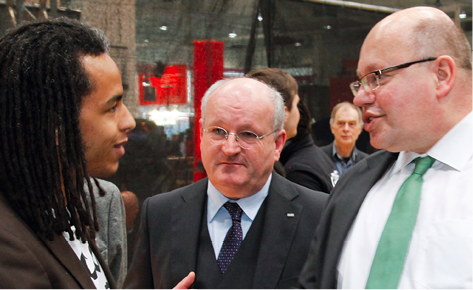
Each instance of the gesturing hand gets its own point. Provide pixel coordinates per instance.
(186, 282)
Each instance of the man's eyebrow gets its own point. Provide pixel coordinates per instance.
(115, 99)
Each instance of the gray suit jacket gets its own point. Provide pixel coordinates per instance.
(111, 238)
(29, 262)
(320, 269)
(168, 240)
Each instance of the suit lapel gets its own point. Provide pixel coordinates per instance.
(281, 219)
(342, 209)
(186, 221)
(60, 248)
(352, 191)
(108, 274)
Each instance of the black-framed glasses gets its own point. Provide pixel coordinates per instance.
(370, 81)
(245, 139)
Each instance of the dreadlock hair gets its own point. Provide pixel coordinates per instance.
(42, 161)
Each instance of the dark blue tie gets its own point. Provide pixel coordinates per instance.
(233, 238)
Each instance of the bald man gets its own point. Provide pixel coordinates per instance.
(243, 226)
(416, 98)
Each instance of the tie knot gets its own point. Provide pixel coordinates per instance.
(422, 164)
(234, 209)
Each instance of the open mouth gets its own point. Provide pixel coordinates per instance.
(370, 121)
(369, 118)
(119, 147)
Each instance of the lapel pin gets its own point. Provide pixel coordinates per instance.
(334, 177)
(290, 214)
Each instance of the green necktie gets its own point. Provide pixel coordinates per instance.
(388, 261)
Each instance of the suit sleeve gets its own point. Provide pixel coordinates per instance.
(307, 278)
(117, 238)
(139, 275)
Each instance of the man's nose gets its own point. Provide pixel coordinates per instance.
(231, 146)
(363, 98)
(127, 122)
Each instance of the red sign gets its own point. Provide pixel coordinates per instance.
(170, 89)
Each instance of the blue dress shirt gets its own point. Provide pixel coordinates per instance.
(343, 165)
(219, 220)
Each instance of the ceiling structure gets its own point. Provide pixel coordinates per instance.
(317, 41)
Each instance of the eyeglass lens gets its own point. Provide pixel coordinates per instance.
(370, 83)
(244, 138)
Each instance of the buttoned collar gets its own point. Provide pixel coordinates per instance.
(454, 149)
(250, 205)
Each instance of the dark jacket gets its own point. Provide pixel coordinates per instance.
(28, 262)
(168, 242)
(320, 269)
(307, 165)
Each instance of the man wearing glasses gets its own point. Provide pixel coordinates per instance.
(243, 227)
(402, 217)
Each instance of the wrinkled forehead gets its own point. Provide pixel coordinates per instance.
(241, 101)
(346, 113)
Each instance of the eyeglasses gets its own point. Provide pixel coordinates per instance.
(245, 139)
(370, 81)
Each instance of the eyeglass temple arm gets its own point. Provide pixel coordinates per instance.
(389, 69)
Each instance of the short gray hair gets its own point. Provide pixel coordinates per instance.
(274, 95)
(346, 105)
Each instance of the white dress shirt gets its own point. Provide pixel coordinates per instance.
(440, 253)
(219, 220)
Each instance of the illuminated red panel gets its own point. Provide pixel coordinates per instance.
(170, 89)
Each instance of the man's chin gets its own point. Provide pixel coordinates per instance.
(103, 172)
(229, 180)
(347, 143)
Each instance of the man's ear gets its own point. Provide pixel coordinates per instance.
(445, 75)
(280, 141)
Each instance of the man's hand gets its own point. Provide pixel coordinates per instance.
(186, 282)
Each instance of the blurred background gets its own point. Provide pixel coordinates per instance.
(170, 51)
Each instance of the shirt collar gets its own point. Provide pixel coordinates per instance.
(250, 205)
(454, 149)
(335, 153)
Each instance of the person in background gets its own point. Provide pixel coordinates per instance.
(304, 163)
(62, 123)
(346, 125)
(132, 208)
(402, 217)
(242, 227)
(287, 86)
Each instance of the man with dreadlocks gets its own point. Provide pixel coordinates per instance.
(62, 122)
